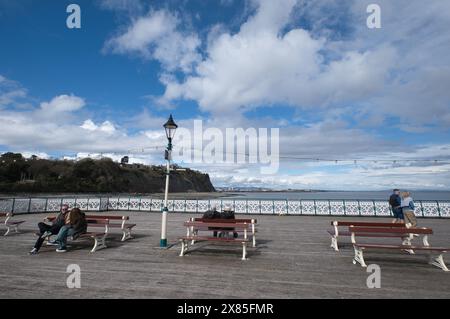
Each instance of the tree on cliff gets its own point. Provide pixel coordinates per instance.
(18, 174)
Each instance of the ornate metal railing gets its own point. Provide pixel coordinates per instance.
(425, 208)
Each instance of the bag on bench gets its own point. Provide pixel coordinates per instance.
(228, 214)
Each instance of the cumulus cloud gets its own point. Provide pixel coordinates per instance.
(261, 65)
(155, 36)
(106, 126)
(63, 103)
(11, 93)
(57, 126)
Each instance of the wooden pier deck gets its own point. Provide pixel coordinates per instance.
(293, 260)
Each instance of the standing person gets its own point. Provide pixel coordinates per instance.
(395, 202)
(46, 230)
(408, 210)
(75, 225)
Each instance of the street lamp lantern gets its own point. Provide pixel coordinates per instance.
(170, 128)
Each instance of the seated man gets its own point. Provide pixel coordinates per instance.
(75, 225)
(212, 214)
(227, 213)
(46, 230)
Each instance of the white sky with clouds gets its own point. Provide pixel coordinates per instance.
(269, 60)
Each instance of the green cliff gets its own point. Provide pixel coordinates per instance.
(34, 175)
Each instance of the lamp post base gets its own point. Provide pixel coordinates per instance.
(163, 243)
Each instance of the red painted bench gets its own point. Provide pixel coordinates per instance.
(335, 233)
(193, 228)
(251, 225)
(112, 223)
(359, 248)
(10, 224)
(99, 237)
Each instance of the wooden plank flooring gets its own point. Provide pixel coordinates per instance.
(293, 260)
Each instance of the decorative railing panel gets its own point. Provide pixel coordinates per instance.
(380, 208)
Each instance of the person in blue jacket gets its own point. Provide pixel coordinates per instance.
(395, 201)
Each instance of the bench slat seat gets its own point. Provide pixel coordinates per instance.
(225, 229)
(120, 226)
(216, 225)
(236, 220)
(359, 248)
(246, 226)
(217, 239)
(10, 224)
(17, 222)
(196, 225)
(403, 247)
(338, 233)
(368, 224)
(186, 239)
(349, 234)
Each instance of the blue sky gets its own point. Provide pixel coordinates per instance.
(333, 87)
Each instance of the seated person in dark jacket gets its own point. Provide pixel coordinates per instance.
(75, 225)
(46, 230)
(212, 214)
(227, 213)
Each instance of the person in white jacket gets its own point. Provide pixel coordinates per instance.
(408, 210)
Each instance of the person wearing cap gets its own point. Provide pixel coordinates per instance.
(395, 202)
(46, 230)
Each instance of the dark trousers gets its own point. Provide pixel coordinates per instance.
(43, 227)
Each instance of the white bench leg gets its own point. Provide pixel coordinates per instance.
(406, 241)
(99, 244)
(184, 248)
(244, 251)
(334, 243)
(194, 233)
(126, 234)
(439, 262)
(254, 240)
(10, 227)
(359, 257)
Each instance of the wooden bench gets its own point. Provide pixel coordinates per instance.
(193, 227)
(251, 225)
(10, 224)
(359, 248)
(99, 237)
(123, 225)
(335, 233)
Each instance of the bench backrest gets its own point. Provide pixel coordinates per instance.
(387, 230)
(213, 223)
(3, 214)
(97, 221)
(97, 217)
(108, 217)
(219, 220)
(367, 224)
